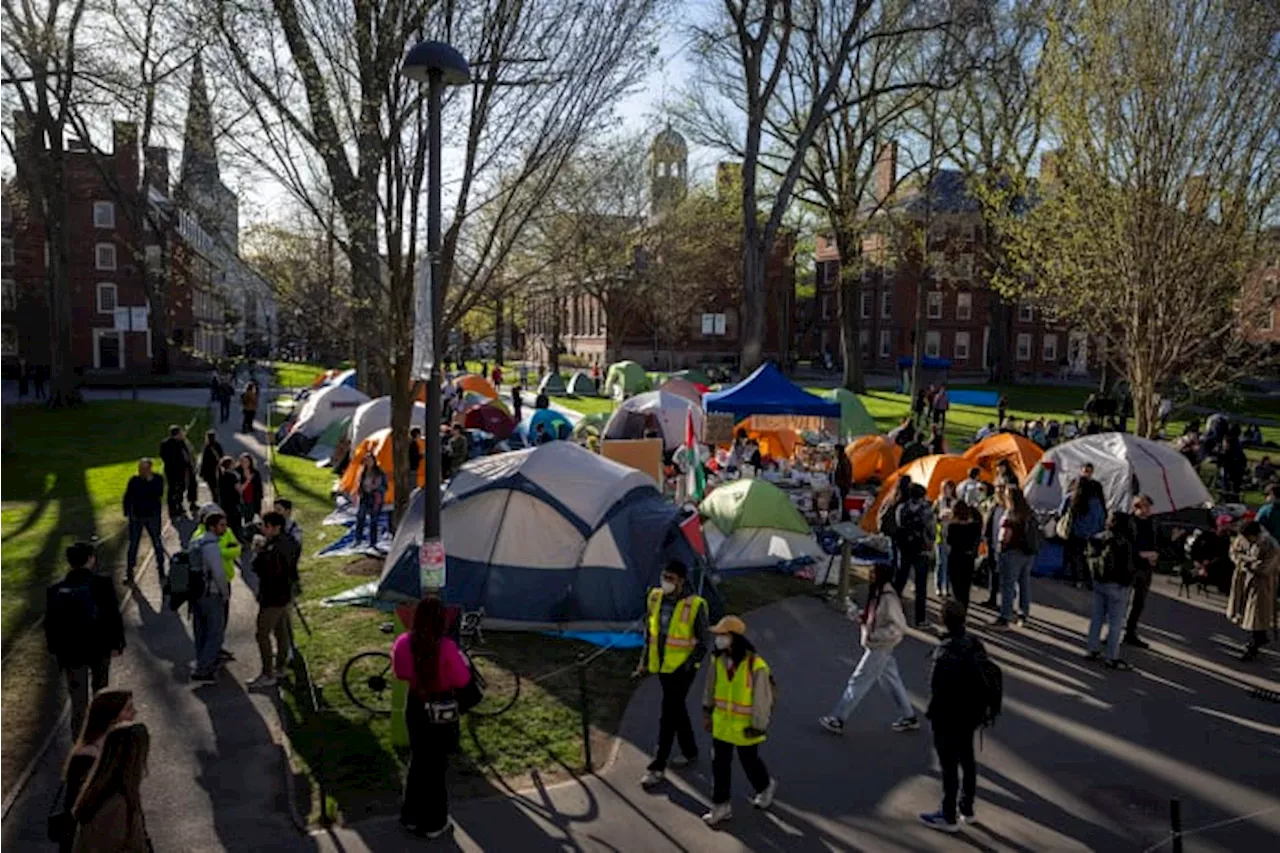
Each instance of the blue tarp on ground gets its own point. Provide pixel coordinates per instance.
(931, 362)
(769, 392)
(990, 399)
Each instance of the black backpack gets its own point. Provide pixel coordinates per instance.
(186, 580)
(991, 688)
(73, 622)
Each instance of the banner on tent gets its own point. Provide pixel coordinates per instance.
(799, 423)
(717, 428)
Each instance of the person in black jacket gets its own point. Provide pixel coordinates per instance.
(955, 712)
(277, 575)
(175, 453)
(1145, 558)
(210, 458)
(963, 535)
(1111, 557)
(416, 456)
(142, 499)
(83, 628)
(228, 495)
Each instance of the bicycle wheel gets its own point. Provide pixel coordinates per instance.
(366, 681)
(501, 686)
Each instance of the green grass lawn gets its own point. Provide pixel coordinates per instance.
(296, 374)
(585, 405)
(63, 480)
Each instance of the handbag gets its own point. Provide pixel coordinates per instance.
(60, 825)
(472, 694)
(1063, 527)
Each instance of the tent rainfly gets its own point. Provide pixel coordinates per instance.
(752, 524)
(624, 379)
(768, 392)
(669, 413)
(581, 385)
(553, 385)
(854, 420)
(376, 414)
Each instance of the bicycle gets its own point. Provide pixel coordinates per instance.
(366, 677)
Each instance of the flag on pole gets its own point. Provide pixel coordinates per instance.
(696, 486)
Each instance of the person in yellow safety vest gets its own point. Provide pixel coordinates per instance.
(674, 647)
(736, 706)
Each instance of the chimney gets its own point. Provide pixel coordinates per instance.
(1048, 167)
(157, 169)
(1197, 193)
(124, 141)
(886, 170)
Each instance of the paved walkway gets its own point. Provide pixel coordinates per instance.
(216, 774)
(1081, 759)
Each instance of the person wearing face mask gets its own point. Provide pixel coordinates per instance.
(736, 707)
(674, 647)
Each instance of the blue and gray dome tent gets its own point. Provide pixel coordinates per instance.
(550, 538)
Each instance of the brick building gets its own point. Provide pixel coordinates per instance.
(1261, 298)
(705, 333)
(960, 308)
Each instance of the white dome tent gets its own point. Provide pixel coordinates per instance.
(669, 411)
(376, 414)
(1125, 465)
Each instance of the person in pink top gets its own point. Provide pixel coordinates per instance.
(435, 668)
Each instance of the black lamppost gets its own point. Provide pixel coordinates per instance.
(439, 65)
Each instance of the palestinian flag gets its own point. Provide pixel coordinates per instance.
(696, 486)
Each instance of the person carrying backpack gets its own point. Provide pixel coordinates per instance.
(916, 535)
(1110, 557)
(83, 628)
(965, 693)
(1019, 545)
(208, 597)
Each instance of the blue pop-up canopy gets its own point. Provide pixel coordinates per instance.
(768, 392)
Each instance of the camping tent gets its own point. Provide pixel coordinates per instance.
(854, 419)
(491, 419)
(329, 440)
(774, 443)
(624, 379)
(581, 385)
(478, 384)
(1022, 453)
(927, 471)
(668, 413)
(376, 414)
(752, 524)
(591, 424)
(1125, 465)
(551, 420)
(873, 457)
(553, 537)
(694, 375)
(323, 407)
(553, 385)
(768, 392)
(690, 390)
(379, 444)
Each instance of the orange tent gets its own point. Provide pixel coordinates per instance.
(1022, 453)
(478, 384)
(928, 471)
(873, 457)
(379, 444)
(323, 377)
(776, 443)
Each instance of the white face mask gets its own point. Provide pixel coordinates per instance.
(723, 641)
(668, 587)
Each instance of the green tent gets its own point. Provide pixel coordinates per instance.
(626, 378)
(751, 503)
(552, 385)
(854, 420)
(694, 375)
(333, 433)
(592, 424)
(581, 385)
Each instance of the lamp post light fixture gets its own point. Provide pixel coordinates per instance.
(438, 65)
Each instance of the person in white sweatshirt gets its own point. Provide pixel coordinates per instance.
(883, 626)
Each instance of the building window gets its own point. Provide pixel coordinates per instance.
(1050, 348)
(864, 342)
(104, 214)
(963, 268)
(961, 350)
(964, 306)
(713, 324)
(6, 212)
(106, 298)
(9, 295)
(938, 266)
(153, 257)
(1269, 320)
(9, 340)
(826, 307)
(886, 342)
(886, 305)
(6, 252)
(932, 344)
(1026, 314)
(967, 233)
(865, 299)
(935, 304)
(105, 255)
(1024, 347)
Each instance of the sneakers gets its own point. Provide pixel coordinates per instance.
(264, 680)
(1093, 656)
(652, 779)
(968, 819)
(224, 655)
(1000, 623)
(720, 812)
(436, 833)
(938, 821)
(906, 724)
(679, 761)
(764, 799)
(1119, 665)
(835, 725)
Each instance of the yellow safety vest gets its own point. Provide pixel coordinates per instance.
(680, 639)
(732, 714)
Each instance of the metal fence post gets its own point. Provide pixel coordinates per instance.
(1175, 823)
(586, 711)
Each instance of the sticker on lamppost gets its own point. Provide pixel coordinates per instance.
(431, 564)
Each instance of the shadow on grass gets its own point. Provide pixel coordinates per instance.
(288, 483)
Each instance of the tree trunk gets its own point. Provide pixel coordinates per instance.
(553, 346)
(753, 303)
(62, 379)
(1001, 368)
(1146, 403)
(849, 313)
(499, 345)
(366, 283)
(917, 345)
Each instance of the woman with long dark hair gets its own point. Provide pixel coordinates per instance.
(108, 812)
(108, 708)
(435, 669)
(963, 535)
(250, 489)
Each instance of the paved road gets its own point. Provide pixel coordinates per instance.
(1081, 759)
(216, 774)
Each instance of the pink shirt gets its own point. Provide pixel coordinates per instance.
(454, 672)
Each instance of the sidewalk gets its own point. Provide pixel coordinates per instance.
(217, 764)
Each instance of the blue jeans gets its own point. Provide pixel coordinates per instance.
(1110, 600)
(368, 510)
(941, 581)
(151, 524)
(876, 666)
(209, 626)
(1015, 570)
